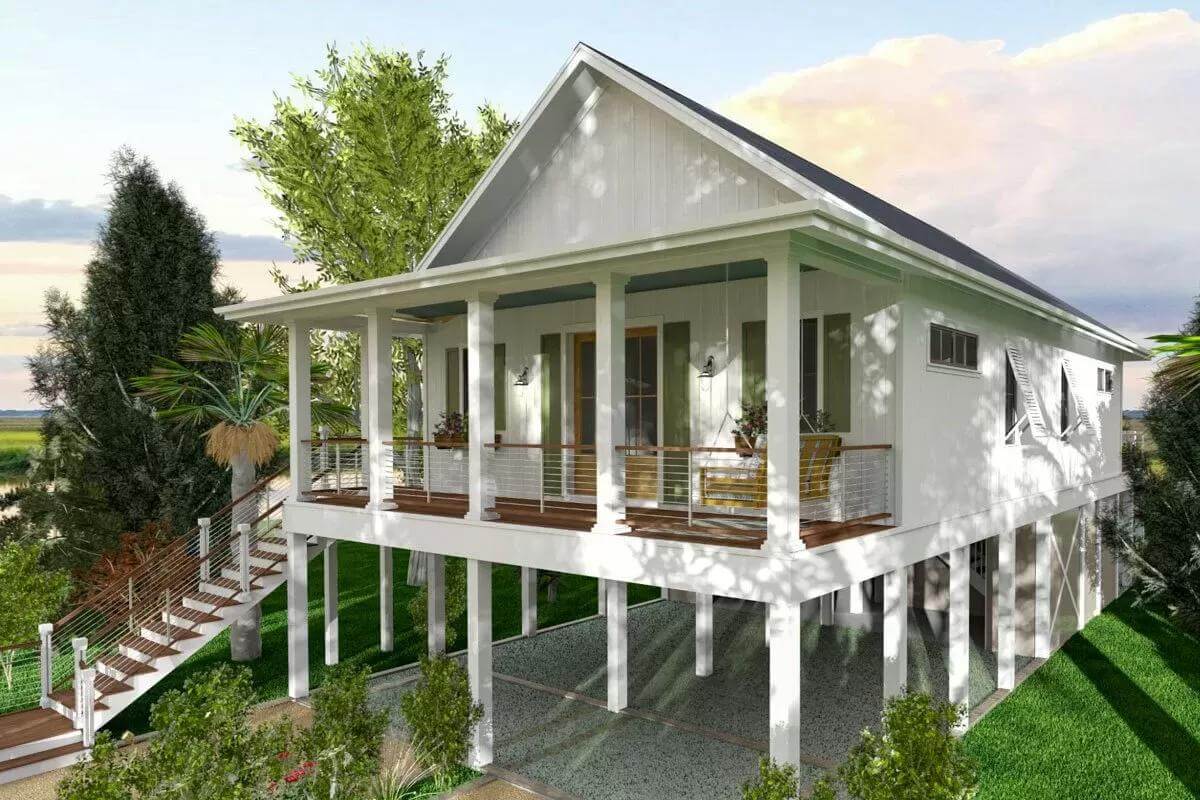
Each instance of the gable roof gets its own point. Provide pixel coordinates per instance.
(876, 208)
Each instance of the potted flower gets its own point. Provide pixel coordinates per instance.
(450, 430)
(748, 428)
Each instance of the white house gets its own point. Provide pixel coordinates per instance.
(633, 273)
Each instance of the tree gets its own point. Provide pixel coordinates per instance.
(234, 383)
(150, 279)
(1179, 372)
(366, 166)
(29, 596)
(1161, 544)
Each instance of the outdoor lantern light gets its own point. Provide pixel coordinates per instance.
(522, 377)
(709, 368)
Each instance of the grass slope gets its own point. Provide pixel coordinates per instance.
(358, 625)
(1114, 714)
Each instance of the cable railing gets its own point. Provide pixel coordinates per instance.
(338, 465)
(149, 599)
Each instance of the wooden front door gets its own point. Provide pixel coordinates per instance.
(641, 411)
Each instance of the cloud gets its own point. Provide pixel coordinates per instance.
(32, 330)
(39, 220)
(1074, 163)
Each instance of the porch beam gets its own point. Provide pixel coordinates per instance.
(1006, 609)
(364, 406)
(895, 632)
(387, 624)
(826, 602)
(299, 407)
(330, 566)
(379, 407)
(704, 634)
(958, 653)
(481, 408)
(1087, 513)
(784, 633)
(782, 389)
(529, 601)
(1043, 534)
(297, 615)
(617, 620)
(435, 609)
(479, 657)
(610, 402)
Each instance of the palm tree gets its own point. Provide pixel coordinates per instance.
(1179, 372)
(235, 384)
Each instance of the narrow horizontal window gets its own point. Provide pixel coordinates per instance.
(953, 348)
(1104, 380)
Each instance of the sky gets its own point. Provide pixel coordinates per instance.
(1059, 138)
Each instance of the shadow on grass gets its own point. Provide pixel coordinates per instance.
(1177, 649)
(1173, 745)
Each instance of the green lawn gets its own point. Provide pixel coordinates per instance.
(18, 436)
(358, 623)
(1114, 714)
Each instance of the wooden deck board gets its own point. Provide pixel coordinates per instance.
(23, 727)
(706, 527)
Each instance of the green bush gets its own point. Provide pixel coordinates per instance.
(915, 756)
(774, 782)
(456, 601)
(441, 715)
(346, 735)
(101, 778)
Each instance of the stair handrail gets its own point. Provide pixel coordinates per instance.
(171, 547)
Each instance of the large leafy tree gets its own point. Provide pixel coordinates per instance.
(1162, 546)
(231, 387)
(366, 163)
(29, 596)
(149, 280)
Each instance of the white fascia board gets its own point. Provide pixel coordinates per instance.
(504, 273)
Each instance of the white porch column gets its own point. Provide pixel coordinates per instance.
(297, 616)
(601, 597)
(330, 560)
(783, 391)
(618, 646)
(783, 633)
(858, 597)
(895, 632)
(479, 656)
(958, 654)
(1006, 609)
(364, 407)
(299, 407)
(379, 407)
(387, 626)
(1084, 591)
(610, 402)
(826, 608)
(435, 609)
(704, 635)
(1043, 568)
(481, 405)
(529, 601)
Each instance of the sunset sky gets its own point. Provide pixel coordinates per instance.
(1061, 141)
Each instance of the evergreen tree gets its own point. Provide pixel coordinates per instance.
(1163, 547)
(150, 279)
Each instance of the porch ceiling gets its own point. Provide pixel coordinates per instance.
(714, 273)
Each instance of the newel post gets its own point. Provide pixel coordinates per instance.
(45, 661)
(244, 560)
(85, 712)
(205, 524)
(78, 649)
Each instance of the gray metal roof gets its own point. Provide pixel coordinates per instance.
(880, 210)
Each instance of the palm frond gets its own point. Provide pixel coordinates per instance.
(1179, 371)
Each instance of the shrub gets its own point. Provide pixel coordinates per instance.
(441, 715)
(345, 737)
(103, 777)
(915, 756)
(456, 601)
(774, 782)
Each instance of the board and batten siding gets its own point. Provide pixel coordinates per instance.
(692, 323)
(626, 169)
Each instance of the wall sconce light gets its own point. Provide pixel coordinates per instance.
(522, 377)
(709, 368)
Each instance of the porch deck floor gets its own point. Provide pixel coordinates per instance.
(706, 527)
(684, 737)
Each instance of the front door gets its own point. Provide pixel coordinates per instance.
(641, 411)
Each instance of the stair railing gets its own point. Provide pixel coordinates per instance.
(146, 595)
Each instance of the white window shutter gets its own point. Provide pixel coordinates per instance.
(1033, 411)
(1083, 419)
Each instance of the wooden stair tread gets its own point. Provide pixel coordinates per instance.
(218, 600)
(125, 665)
(262, 572)
(31, 725)
(106, 685)
(175, 632)
(268, 555)
(231, 584)
(149, 647)
(193, 615)
(44, 755)
(67, 698)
